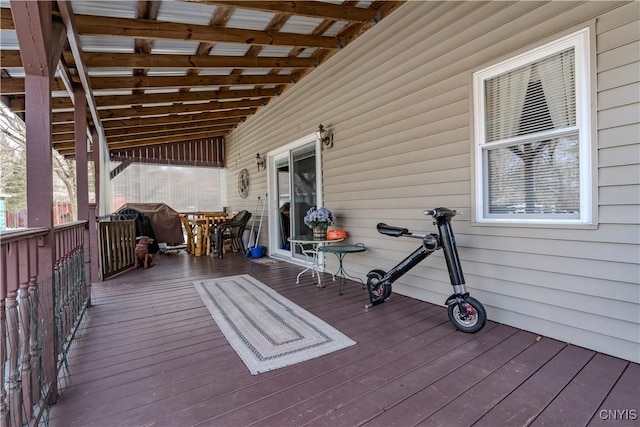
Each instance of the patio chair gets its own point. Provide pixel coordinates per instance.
(231, 231)
(189, 231)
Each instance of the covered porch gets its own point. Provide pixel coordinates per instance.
(217, 84)
(149, 353)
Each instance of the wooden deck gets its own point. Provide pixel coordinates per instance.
(150, 354)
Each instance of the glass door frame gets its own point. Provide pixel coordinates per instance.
(272, 182)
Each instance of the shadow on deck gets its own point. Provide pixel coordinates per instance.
(151, 354)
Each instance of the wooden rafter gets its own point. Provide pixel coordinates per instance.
(312, 9)
(181, 118)
(179, 109)
(204, 124)
(147, 9)
(199, 95)
(62, 103)
(185, 81)
(122, 27)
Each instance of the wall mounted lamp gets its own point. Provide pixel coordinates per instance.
(324, 136)
(260, 162)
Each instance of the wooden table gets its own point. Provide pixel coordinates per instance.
(201, 241)
(311, 253)
(202, 225)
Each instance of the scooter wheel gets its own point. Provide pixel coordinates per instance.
(378, 290)
(472, 319)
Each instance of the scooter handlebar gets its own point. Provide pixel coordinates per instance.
(440, 212)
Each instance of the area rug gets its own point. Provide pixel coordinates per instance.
(265, 261)
(266, 330)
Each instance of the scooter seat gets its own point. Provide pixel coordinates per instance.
(390, 230)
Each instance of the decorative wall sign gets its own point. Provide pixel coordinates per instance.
(243, 183)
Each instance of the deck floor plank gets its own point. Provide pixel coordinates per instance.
(425, 402)
(599, 376)
(527, 402)
(621, 405)
(300, 373)
(150, 353)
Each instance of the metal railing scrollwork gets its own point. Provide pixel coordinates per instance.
(28, 322)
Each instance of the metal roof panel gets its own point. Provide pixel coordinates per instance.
(107, 44)
(185, 12)
(9, 40)
(114, 9)
(279, 51)
(229, 49)
(301, 25)
(250, 19)
(175, 47)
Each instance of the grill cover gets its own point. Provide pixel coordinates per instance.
(164, 221)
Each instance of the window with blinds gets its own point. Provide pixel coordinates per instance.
(532, 136)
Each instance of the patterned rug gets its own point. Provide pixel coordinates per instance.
(266, 330)
(265, 261)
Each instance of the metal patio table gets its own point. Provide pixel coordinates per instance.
(341, 251)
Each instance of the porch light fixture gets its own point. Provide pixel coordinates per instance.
(260, 162)
(324, 136)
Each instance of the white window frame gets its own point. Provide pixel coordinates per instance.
(580, 41)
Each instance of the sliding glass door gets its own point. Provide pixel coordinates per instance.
(294, 182)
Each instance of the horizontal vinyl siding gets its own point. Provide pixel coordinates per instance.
(398, 103)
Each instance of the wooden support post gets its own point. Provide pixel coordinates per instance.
(82, 173)
(41, 41)
(97, 157)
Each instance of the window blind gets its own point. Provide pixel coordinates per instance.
(535, 97)
(537, 172)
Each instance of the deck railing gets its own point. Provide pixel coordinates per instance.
(34, 334)
(116, 246)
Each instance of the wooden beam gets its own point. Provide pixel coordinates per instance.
(174, 135)
(76, 48)
(220, 18)
(63, 103)
(120, 113)
(185, 81)
(6, 19)
(82, 171)
(15, 86)
(64, 131)
(159, 98)
(16, 104)
(147, 9)
(142, 28)
(63, 117)
(141, 130)
(35, 34)
(59, 129)
(124, 144)
(10, 58)
(63, 138)
(36, 54)
(179, 133)
(182, 118)
(314, 9)
(137, 60)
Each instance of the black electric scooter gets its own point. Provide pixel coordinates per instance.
(465, 312)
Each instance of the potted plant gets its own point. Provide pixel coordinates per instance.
(318, 219)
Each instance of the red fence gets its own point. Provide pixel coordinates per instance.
(62, 214)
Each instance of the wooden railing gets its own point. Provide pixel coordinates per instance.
(116, 246)
(34, 331)
(71, 285)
